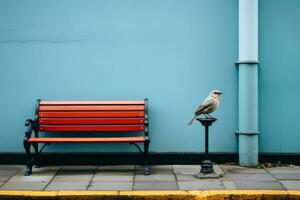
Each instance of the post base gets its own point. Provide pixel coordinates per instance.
(208, 176)
(207, 167)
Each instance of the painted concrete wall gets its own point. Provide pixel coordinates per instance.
(173, 52)
(279, 47)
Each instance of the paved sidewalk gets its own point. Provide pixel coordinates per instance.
(163, 177)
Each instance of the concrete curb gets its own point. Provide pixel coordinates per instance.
(152, 195)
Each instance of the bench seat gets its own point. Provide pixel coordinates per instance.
(88, 140)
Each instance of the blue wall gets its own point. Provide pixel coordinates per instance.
(279, 81)
(171, 51)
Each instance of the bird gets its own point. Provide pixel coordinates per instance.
(209, 105)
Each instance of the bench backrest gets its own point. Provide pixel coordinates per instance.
(92, 116)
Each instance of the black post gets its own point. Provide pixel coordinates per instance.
(206, 165)
(206, 143)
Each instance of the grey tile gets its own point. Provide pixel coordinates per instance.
(283, 171)
(161, 167)
(287, 176)
(41, 171)
(112, 177)
(258, 185)
(194, 169)
(7, 172)
(23, 186)
(155, 177)
(124, 168)
(233, 169)
(186, 169)
(229, 185)
(73, 177)
(109, 185)
(186, 166)
(76, 185)
(252, 177)
(4, 178)
(218, 169)
(155, 171)
(156, 167)
(201, 185)
(76, 172)
(31, 178)
(11, 167)
(291, 184)
(78, 168)
(186, 177)
(46, 169)
(153, 185)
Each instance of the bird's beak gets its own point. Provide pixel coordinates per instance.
(219, 93)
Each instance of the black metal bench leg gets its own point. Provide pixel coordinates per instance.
(37, 155)
(146, 164)
(28, 158)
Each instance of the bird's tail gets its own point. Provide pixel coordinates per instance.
(190, 123)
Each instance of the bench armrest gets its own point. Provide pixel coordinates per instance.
(30, 124)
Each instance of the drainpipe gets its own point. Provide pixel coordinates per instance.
(248, 83)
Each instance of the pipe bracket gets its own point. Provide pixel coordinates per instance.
(247, 132)
(246, 62)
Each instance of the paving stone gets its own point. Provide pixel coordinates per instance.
(233, 169)
(186, 166)
(287, 176)
(68, 185)
(78, 168)
(218, 169)
(4, 178)
(7, 172)
(229, 185)
(201, 185)
(155, 167)
(291, 184)
(186, 169)
(46, 168)
(1, 183)
(258, 185)
(153, 185)
(112, 177)
(76, 172)
(186, 177)
(252, 177)
(284, 171)
(31, 178)
(111, 185)
(155, 171)
(125, 168)
(11, 167)
(41, 171)
(155, 177)
(23, 185)
(73, 177)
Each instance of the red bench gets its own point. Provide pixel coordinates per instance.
(88, 117)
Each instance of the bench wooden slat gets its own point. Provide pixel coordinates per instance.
(91, 108)
(93, 114)
(133, 102)
(90, 128)
(87, 140)
(43, 121)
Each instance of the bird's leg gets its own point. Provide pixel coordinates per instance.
(209, 116)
